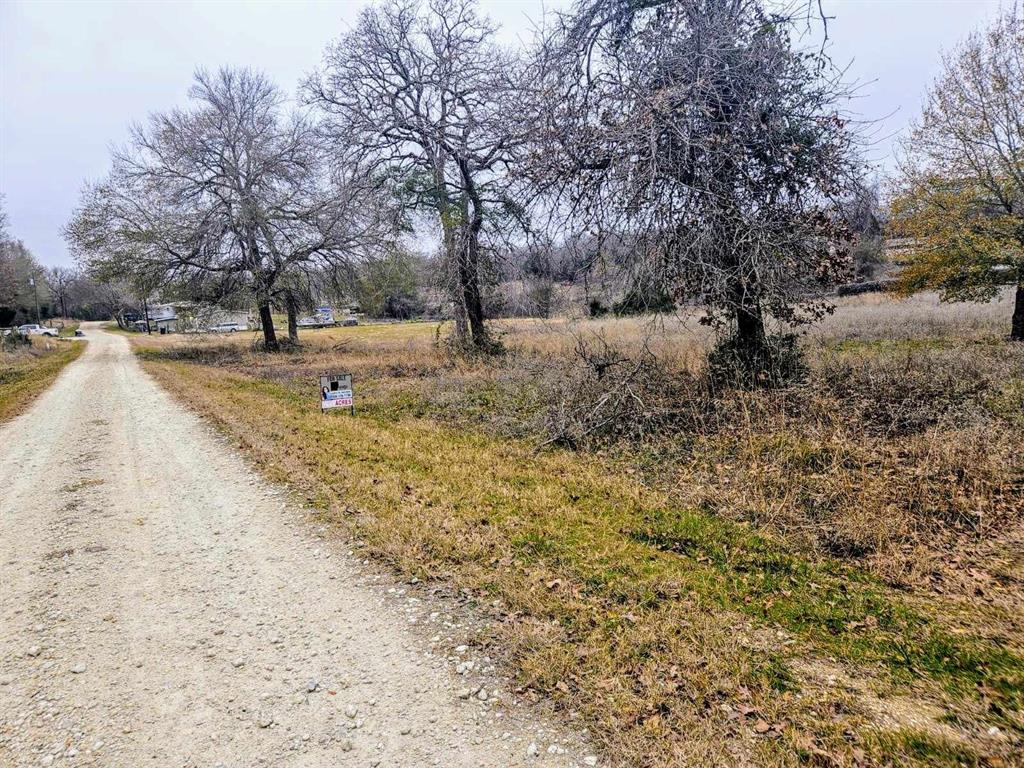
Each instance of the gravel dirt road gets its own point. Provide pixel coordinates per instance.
(161, 605)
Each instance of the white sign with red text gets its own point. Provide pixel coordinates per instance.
(336, 391)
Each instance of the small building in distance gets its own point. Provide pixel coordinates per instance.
(163, 318)
(191, 317)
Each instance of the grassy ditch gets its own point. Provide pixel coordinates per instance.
(28, 371)
(677, 634)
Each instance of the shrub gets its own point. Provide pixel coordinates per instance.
(605, 392)
(778, 362)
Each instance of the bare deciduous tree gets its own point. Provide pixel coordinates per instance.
(8, 278)
(419, 95)
(230, 195)
(60, 280)
(22, 284)
(91, 300)
(697, 132)
(3, 220)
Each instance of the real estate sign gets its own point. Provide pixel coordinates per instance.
(336, 391)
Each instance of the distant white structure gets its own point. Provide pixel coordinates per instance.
(190, 317)
(163, 318)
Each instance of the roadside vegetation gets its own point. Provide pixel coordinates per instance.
(28, 369)
(67, 327)
(827, 574)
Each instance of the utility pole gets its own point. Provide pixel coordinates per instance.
(35, 294)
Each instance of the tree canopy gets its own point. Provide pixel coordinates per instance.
(960, 200)
(702, 144)
(232, 195)
(703, 134)
(420, 96)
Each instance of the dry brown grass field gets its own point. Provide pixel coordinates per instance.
(25, 371)
(830, 574)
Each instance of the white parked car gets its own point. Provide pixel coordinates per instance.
(32, 329)
(227, 328)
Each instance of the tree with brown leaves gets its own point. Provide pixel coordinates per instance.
(961, 197)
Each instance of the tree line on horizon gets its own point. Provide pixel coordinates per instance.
(33, 293)
(702, 146)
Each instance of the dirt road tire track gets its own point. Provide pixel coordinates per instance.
(161, 605)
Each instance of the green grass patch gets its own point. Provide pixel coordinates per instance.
(839, 609)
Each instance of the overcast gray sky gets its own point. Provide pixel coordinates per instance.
(74, 75)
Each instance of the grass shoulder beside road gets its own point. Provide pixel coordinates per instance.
(680, 637)
(27, 372)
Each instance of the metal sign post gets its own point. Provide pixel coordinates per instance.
(336, 392)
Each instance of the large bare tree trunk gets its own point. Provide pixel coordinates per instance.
(451, 248)
(469, 262)
(750, 335)
(293, 319)
(1017, 324)
(746, 309)
(459, 315)
(269, 334)
(469, 283)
